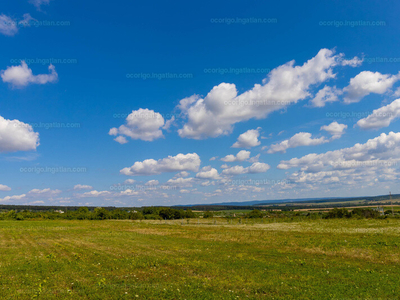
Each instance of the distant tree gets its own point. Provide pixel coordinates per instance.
(189, 214)
(208, 214)
(100, 213)
(136, 216)
(255, 214)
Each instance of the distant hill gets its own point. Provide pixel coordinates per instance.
(301, 200)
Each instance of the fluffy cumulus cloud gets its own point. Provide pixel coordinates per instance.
(208, 173)
(8, 26)
(354, 62)
(82, 187)
(141, 124)
(256, 167)
(215, 114)
(152, 182)
(94, 193)
(377, 160)
(248, 139)
(374, 151)
(4, 188)
(335, 129)
(240, 156)
(11, 198)
(180, 182)
(32, 195)
(43, 192)
(366, 83)
(180, 162)
(17, 136)
(381, 117)
(298, 140)
(21, 76)
(325, 95)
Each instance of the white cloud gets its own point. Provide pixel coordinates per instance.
(21, 76)
(39, 3)
(152, 182)
(298, 140)
(141, 124)
(180, 162)
(325, 95)
(8, 26)
(240, 156)
(208, 183)
(397, 92)
(15, 197)
(215, 114)
(381, 117)
(208, 173)
(120, 139)
(374, 161)
(44, 192)
(94, 194)
(256, 167)
(83, 187)
(4, 188)
(248, 139)
(169, 123)
(354, 62)
(17, 136)
(36, 202)
(182, 174)
(379, 149)
(213, 158)
(366, 83)
(129, 181)
(27, 20)
(181, 182)
(335, 129)
(33, 194)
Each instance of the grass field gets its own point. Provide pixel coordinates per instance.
(205, 259)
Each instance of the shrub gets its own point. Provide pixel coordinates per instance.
(255, 214)
(208, 214)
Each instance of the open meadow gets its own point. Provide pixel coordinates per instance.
(200, 259)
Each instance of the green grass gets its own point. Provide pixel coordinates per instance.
(320, 259)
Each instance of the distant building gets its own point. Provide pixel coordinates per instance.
(59, 211)
(380, 210)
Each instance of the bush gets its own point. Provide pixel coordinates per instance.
(255, 214)
(208, 214)
(189, 214)
(136, 216)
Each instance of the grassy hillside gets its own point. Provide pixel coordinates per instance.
(202, 259)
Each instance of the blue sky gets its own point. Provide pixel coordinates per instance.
(124, 104)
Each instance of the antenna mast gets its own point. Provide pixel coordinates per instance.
(391, 202)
